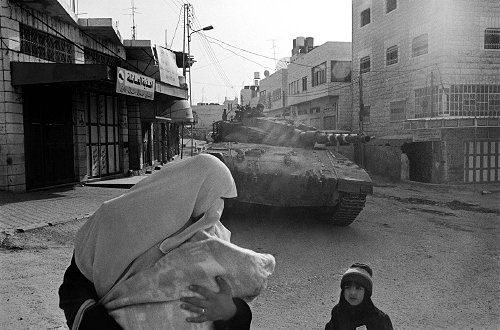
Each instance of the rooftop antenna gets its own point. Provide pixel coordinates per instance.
(134, 28)
(274, 52)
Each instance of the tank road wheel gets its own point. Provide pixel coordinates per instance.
(346, 211)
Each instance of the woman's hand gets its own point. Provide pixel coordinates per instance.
(214, 306)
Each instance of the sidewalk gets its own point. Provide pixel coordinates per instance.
(24, 211)
(20, 212)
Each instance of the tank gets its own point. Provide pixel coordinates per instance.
(276, 162)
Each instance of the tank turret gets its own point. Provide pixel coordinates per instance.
(280, 163)
(278, 132)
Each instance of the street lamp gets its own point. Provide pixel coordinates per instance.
(206, 28)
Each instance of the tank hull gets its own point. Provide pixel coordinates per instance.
(284, 176)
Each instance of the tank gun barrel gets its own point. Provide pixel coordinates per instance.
(309, 138)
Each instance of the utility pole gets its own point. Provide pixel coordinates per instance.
(133, 20)
(361, 105)
(432, 94)
(360, 119)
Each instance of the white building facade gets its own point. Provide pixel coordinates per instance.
(430, 85)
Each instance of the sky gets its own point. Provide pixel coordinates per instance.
(248, 36)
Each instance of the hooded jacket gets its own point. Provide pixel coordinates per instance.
(347, 317)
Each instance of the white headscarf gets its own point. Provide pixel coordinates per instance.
(149, 214)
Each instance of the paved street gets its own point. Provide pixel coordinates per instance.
(434, 250)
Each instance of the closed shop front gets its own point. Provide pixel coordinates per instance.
(481, 162)
(103, 136)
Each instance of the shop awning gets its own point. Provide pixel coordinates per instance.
(28, 73)
(180, 112)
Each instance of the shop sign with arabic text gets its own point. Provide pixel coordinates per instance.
(134, 84)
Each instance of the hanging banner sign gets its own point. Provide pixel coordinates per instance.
(134, 84)
(168, 66)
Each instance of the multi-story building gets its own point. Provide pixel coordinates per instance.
(315, 88)
(249, 95)
(430, 87)
(319, 84)
(76, 102)
(273, 93)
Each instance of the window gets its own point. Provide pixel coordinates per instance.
(364, 64)
(429, 102)
(293, 87)
(492, 39)
(391, 55)
(319, 74)
(397, 110)
(95, 57)
(304, 83)
(44, 45)
(365, 17)
(315, 110)
(474, 100)
(390, 5)
(420, 45)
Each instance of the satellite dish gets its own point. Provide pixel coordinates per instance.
(283, 63)
(266, 73)
(341, 71)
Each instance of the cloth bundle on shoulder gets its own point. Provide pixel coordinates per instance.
(141, 250)
(150, 299)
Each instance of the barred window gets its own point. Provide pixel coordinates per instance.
(319, 74)
(397, 110)
(315, 110)
(390, 5)
(420, 45)
(45, 46)
(492, 39)
(94, 57)
(293, 87)
(365, 17)
(391, 55)
(364, 64)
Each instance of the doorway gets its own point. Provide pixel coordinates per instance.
(48, 133)
(420, 160)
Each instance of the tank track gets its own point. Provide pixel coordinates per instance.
(348, 208)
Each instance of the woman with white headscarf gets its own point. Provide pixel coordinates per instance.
(158, 257)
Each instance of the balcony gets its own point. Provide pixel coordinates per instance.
(62, 9)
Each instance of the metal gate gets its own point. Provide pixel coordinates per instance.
(48, 136)
(481, 161)
(102, 138)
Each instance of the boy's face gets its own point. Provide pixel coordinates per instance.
(354, 293)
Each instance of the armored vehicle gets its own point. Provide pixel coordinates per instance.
(278, 163)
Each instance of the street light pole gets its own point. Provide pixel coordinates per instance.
(206, 28)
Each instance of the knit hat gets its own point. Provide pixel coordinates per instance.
(359, 273)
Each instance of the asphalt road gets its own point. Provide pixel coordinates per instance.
(435, 252)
